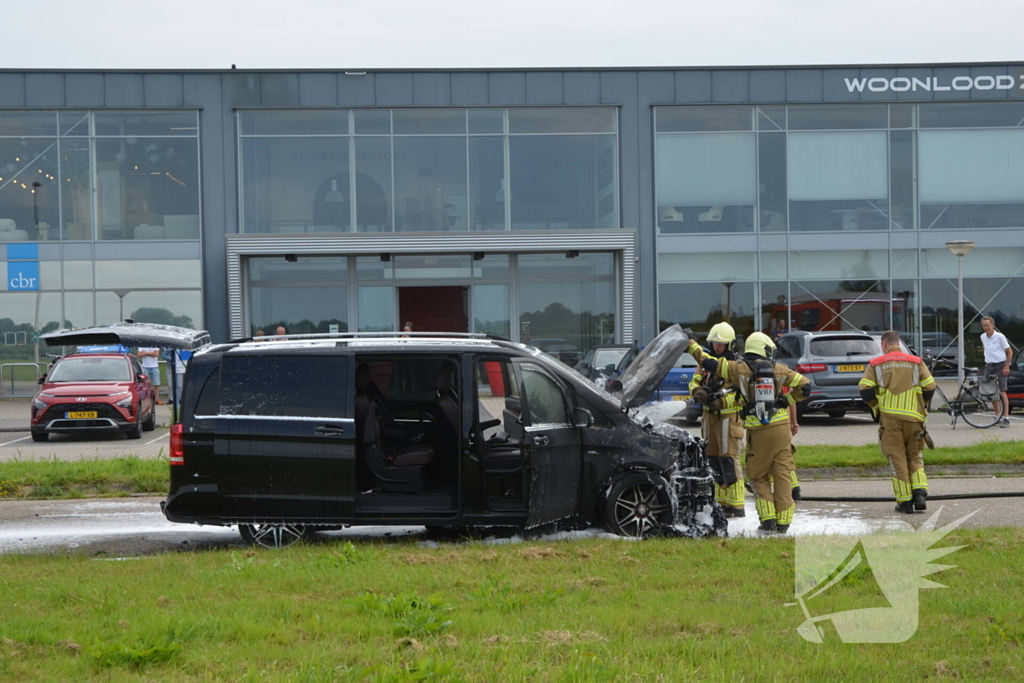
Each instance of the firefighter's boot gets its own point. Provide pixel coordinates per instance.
(906, 507)
(769, 526)
(920, 499)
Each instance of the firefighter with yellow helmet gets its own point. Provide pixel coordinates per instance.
(721, 423)
(759, 382)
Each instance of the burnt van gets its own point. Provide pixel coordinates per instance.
(286, 436)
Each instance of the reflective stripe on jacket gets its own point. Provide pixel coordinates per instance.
(731, 402)
(739, 373)
(899, 380)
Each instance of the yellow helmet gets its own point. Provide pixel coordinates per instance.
(759, 343)
(722, 333)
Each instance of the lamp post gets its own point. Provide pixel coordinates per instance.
(121, 294)
(960, 249)
(728, 300)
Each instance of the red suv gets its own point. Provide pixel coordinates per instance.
(87, 392)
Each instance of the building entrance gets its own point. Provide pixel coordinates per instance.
(434, 309)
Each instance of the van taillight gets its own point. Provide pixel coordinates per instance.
(808, 368)
(177, 445)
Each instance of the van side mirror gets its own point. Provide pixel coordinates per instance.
(581, 417)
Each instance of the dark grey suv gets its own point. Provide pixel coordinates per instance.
(834, 362)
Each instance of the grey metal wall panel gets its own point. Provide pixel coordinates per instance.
(279, 90)
(693, 87)
(773, 242)
(730, 86)
(506, 88)
(49, 251)
(240, 90)
(992, 94)
(12, 90)
(581, 87)
(705, 243)
(394, 90)
(201, 90)
(834, 85)
(318, 90)
(77, 251)
(164, 90)
(911, 95)
(544, 87)
(44, 90)
(1018, 80)
(767, 85)
(868, 95)
(469, 89)
(803, 85)
(357, 91)
(432, 90)
(945, 76)
(936, 239)
(853, 239)
(84, 90)
(904, 239)
(141, 250)
(124, 90)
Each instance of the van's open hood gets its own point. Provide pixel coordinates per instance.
(130, 334)
(649, 368)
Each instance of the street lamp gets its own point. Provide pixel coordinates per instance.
(960, 249)
(121, 294)
(728, 300)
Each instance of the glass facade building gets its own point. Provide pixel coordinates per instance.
(565, 208)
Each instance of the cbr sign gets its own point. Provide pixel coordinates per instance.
(933, 84)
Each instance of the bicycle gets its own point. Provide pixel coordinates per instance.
(976, 410)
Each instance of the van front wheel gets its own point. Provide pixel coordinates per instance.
(638, 504)
(275, 535)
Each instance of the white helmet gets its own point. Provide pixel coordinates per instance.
(722, 333)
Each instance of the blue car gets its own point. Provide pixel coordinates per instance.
(675, 386)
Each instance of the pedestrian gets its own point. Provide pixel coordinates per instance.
(281, 332)
(760, 383)
(407, 327)
(780, 329)
(997, 365)
(150, 359)
(898, 386)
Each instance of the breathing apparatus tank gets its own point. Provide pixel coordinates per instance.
(764, 390)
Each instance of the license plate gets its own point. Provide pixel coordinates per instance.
(849, 368)
(90, 415)
(681, 397)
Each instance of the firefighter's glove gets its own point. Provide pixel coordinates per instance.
(781, 403)
(700, 395)
(709, 365)
(928, 441)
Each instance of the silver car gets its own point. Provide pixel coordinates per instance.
(834, 362)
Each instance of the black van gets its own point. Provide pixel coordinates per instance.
(284, 437)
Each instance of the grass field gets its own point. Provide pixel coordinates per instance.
(574, 612)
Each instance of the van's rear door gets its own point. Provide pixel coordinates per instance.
(284, 438)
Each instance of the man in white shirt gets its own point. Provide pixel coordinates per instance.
(150, 359)
(997, 363)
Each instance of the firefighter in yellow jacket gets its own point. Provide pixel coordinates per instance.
(899, 386)
(759, 381)
(721, 423)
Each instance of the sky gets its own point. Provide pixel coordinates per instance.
(345, 34)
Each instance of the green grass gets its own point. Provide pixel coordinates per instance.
(588, 611)
(52, 478)
(995, 452)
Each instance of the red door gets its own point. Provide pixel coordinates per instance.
(434, 309)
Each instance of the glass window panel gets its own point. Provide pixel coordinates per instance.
(567, 317)
(172, 274)
(372, 268)
(429, 121)
(299, 308)
(687, 119)
(972, 114)
(148, 188)
(861, 264)
(372, 121)
(544, 398)
(902, 115)
(904, 263)
(491, 265)
(78, 275)
(29, 205)
(774, 265)
(706, 183)
(587, 264)
(416, 266)
(304, 268)
(294, 185)
(771, 118)
(373, 184)
(183, 308)
(293, 122)
(76, 189)
(147, 123)
(838, 116)
(902, 158)
(563, 182)
(979, 262)
(562, 120)
(695, 267)
(303, 386)
(701, 305)
(50, 275)
(771, 162)
(906, 300)
(23, 316)
(28, 123)
(78, 309)
(430, 183)
(774, 307)
(998, 297)
(840, 305)
(486, 121)
(487, 187)
(376, 309)
(490, 310)
(74, 123)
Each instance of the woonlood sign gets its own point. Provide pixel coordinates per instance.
(934, 84)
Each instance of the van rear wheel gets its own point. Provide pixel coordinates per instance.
(275, 535)
(638, 504)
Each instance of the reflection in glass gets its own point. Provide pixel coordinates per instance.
(562, 120)
(491, 265)
(840, 305)
(180, 123)
(771, 118)
(972, 114)
(837, 116)
(996, 297)
(585, 264)
(486, 121)
(28, 123)
(372, 268)
(293, 122)
(75, 123)
(487, 187)
(372, 121)
(490, 310)
(771, 162)
(774, 307)
(902, 115)
(906, 300)
(902, 157)
(696, 119)
(376, 309)
(171, 273)
(567, 318)
(430, 183)
(429, 121)
(699, 305)
(76, 188)
(29, 205)
(183, 308)
(373, 184)
(418, 266)
(305, 268)
(860, 264)
(563, 182)
(695, 267)
(23, 316)
(301, 309)
(78, 275)
(78, 309)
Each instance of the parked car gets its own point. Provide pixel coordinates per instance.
(284, 438)
(878, 340)
(1015, 381)
(674, 387)
(564, 351)
(602, 360)
(102, 390)
(834, 362)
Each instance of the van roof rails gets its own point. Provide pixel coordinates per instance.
(372, 335)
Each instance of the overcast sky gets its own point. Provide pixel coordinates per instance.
(195, 34)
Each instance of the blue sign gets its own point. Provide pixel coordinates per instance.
(23, 252)
(111, 348)
(22, 276)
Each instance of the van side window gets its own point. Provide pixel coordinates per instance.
(306, 385)
(544, 398)
(208, 402)
(497, 397)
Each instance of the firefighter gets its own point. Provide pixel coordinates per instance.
(898, 386)
(721, 423)
(759, 381)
